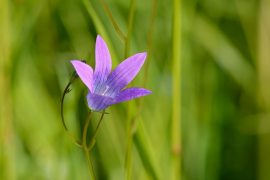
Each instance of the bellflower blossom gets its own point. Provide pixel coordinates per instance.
(105, 88)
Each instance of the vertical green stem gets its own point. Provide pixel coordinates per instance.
(149, 50)
(130, 24)
(263, 65)
(176, 110)
(129, 135)
(85, 146)
(133, 126)
(149, 46)
(7, 141)
(100, 28)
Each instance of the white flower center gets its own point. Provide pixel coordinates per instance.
(107, 87)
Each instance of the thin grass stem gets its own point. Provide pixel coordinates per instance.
(119, 32)
(8, 136)
(176, 106)
(149, 50)
(130, 24)
(129, 137)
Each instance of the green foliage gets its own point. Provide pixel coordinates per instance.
(224, 90)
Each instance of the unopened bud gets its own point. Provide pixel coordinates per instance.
(74, 75)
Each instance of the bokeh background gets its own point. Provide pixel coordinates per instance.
(225, 90)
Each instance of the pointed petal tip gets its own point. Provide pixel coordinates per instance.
(76, 62)
(99, 38)
(148, 92)
(144, 54)
(103, 65)
(85, 72)
(131, 93)
(73, 62)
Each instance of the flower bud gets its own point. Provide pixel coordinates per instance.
(74, 75)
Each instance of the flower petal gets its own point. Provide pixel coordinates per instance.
(131, 93)
(85, 72)
(123, 74)
(99, 102)
(103, 64)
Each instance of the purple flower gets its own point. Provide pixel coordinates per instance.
(105, 88)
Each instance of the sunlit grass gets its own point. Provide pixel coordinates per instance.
(223, 83)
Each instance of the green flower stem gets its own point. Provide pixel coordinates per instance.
(121, 35)
(129, 137)
(85, 147)
(94, 137)
(62, 116)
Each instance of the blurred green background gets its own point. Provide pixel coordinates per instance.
(225, 90)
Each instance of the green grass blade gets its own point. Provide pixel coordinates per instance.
(176, 109)
(101, 30)
(224, 52)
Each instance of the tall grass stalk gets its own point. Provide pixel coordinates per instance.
(119, 32)
(149, 50)
(133, 124)
(129, 143)
(7, 156)
(264, 89)
(100, 29)
(129, 30)
(176, 111)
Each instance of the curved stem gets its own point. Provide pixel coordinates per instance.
(85, 147)
(62, 116)
(94, 137)
(121, 35)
